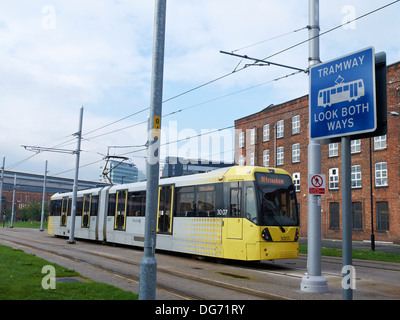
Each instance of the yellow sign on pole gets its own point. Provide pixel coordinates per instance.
(157, 126)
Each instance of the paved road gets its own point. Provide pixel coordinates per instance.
(181, 277)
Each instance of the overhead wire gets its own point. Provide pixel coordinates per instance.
(236, 70)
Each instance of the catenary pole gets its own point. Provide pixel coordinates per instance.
(1, 187)
(313, 281)
(347, 291)
(75, 188)
(148, 266)
(44, 197)
(13, 203)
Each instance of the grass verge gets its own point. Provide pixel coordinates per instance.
(21, 279)
(358, 254)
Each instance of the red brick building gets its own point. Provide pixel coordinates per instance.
(278, 137)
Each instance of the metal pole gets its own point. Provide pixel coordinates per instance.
(75, 188)
(313, 281)
(346, 213)
(13, 203)
(372, 196)
(44, 197)
(148, 266)
(1, 187)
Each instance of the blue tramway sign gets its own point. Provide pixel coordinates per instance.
(342, 99)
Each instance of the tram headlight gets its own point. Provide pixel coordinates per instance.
(266, 235)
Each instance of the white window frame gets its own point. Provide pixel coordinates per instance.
(356, 176)
(296, 153)
(252, 136)
(296, 180)
(266, 132)
(355, 146)
(280, 129)
(333, 150)
(252, 159)
(380, 142)
(280, 156)
(266, 158)
(241, 160)
(241, 139)
(381, 174)
(296, 125)
(334, 179)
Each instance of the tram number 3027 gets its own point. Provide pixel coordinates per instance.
(222, 212)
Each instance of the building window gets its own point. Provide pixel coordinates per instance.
(355, 146)
(241, 140)
(382, 216)
(333, 149)
(253, 136)
(252, 159)
(380, 142)
(296, 125)
(241, 160)
(279, 158)
(381, 174)
(266, 158)
(356, 176)
(334, 179)
(296, 179)
(356, 211)
(266, 132)
(334, 223)
(280, 129)
(296, 153)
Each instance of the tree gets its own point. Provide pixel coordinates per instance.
(33, 212)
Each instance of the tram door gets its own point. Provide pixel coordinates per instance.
(235, 221)
(165, 205)
(86, 210)
(120, 212)
(65, 206)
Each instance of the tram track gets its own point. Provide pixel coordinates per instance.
(251, 293)
(189, 279)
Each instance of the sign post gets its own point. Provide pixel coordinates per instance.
(343, 104)
(313, 281)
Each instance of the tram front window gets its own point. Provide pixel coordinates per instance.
(277, 199)
(279, 208)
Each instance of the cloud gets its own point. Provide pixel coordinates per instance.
(57, 56)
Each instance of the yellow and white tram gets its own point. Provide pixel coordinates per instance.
(241, 213)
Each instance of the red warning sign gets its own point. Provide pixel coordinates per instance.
(316, 184)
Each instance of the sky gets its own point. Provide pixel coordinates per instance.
(57, 56)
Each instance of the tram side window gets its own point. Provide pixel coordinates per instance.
(55, 207)
(79, 206)
(235, 203)
(94, 206)
(111, 205)
(206, 201)
(69, 206)
(121, 201)
(136, 204)
(185, 202)
(251, 205)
